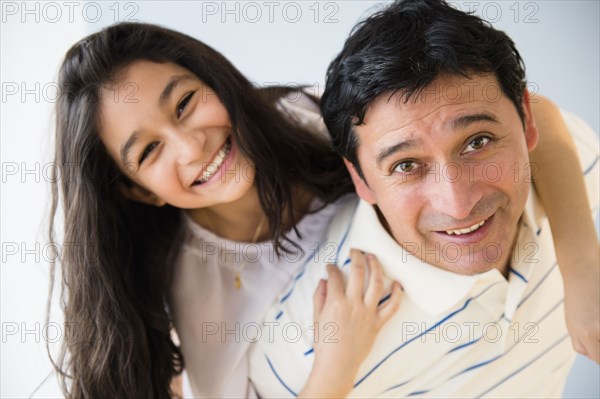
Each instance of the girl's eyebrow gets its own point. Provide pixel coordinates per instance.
(173, 82)
(128, 144)
(164, 96)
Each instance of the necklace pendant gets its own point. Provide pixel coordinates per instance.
(237, 281)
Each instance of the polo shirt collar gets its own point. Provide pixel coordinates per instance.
(433, 289)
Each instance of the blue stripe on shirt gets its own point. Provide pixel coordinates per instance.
(464, 345)
(385, 298)
(423, 333)
(344, 237)
(524, 366)
(544, 277)
(297, 277)
(518, 274)
(589, 168)
(279, 378)
(287, 295)
(415, 393)
(473, 341)
(520, 339)
(396, 386)
(477, 365)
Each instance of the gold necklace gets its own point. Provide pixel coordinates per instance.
(237, 279)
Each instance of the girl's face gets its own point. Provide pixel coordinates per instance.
(170, 133)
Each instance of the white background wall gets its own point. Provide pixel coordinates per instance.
(271, 42)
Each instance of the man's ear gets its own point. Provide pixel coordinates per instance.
(363, 191)
(137, 193)
(532, 134)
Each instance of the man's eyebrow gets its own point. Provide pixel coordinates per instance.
(173, 82)
(465, 121)
(461, 122)
(128, 144)
(389, 151)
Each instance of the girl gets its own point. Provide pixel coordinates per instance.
(180, 162)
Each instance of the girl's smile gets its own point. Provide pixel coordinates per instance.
(181, 149)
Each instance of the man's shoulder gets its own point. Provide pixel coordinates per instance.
(333, 243)
(342, 220)
(298, 293)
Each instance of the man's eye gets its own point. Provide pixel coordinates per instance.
(477, 143)
(406, 167)
(183, 104)
(147, 151)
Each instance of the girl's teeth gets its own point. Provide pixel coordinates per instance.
(215, 164)
(467, 230)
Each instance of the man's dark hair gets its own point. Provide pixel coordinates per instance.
(404, 48)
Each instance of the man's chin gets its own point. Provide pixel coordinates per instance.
(470, 259)
(470, 267)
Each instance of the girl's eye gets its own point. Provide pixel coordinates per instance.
(477, 143)
(406, 167)
(147, 151)
(183, 104)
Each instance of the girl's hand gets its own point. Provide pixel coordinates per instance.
(582, 307)
(346, 324)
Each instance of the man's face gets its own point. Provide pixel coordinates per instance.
(449, 171)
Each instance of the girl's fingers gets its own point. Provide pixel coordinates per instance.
(356, 282)
(389, 307)
(375, 288)
(319, 299)
(335, 282)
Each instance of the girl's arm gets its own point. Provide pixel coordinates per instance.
(559, 182)
(358, 320)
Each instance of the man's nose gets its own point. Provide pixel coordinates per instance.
(455, 195)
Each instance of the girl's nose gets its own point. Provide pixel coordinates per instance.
(188, 145)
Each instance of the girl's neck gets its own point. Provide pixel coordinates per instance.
(237, 220)
(240, 220)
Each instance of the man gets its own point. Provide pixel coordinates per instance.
(429, 108)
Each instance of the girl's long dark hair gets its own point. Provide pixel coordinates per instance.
(116, 264)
